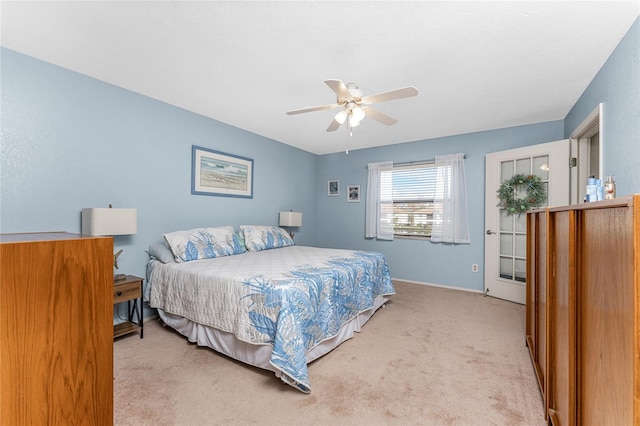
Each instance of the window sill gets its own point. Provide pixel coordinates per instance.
(411, 237)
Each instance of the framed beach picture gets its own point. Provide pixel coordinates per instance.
(353, 193)
(218, 173)
(333, 188)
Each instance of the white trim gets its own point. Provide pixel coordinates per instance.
(592, 124)
(589, 120)
(574, 178)
(469, 290)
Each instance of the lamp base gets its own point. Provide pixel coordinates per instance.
(119, 277)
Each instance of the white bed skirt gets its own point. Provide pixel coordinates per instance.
(259, 355)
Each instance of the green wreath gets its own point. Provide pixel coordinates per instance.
(536, 194)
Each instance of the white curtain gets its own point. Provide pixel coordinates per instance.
(379, 203)
(451, 224)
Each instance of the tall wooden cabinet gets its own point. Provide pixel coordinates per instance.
(592, 313)
(536, 328)
(56, 329)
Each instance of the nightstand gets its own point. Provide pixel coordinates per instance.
(129, 290)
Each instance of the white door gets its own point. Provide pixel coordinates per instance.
(505, 238)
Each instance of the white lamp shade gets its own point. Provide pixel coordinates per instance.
(290, 219)
(341, 116)
(358, 114)
(109, 221)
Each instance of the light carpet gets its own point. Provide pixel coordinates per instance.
(432, 356)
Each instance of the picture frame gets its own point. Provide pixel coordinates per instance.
(220, 174)
(333, 188)
(353, 193)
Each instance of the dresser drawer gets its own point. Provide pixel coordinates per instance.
(128, 291)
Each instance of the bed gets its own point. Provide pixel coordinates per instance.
(255, 296)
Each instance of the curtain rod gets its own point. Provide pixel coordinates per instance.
(418, 163)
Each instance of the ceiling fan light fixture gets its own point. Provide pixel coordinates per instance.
(341, 116)
(354, 105)
(357, 113)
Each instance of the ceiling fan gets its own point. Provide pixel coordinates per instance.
(355, 106)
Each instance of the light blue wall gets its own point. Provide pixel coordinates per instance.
(341, 224)
(617, 85)
(70, 141)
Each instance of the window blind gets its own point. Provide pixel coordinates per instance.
(412, 192)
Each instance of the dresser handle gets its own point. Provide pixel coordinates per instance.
(119, 293)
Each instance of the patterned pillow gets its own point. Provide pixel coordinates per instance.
(203, 243)
(257, 238)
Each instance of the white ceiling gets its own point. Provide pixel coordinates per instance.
(478, 65)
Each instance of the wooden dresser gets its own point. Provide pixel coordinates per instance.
(536, 329)
(583, 311)
(56, 329)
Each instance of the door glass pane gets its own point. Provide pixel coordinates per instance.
(506, 268)
(521, 222)
(520, 270)
(523, 165)
(506, 244)
(506, 170)
(506, 221)
(541, 167)
(521, 192)
(521, 245)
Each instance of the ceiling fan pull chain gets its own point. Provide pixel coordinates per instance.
(350, 135)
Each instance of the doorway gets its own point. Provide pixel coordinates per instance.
(586, 153)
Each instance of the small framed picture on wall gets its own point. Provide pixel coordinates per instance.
(353, 193)
(333, 188)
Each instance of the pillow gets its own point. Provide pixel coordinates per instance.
(240, 237)
(203, 243)
(161, 252)
(257, 238)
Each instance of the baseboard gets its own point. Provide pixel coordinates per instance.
(469, 290)
(150, 318)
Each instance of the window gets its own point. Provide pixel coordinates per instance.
(412, 192)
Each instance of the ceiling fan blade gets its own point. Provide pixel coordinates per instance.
(405, 92)
(333, 126)
(378, 116)
(311, 109)
(339, 88)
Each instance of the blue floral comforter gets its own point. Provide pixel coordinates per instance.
(291, 298)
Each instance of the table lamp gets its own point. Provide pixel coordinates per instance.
(110, 222)
(290, 219)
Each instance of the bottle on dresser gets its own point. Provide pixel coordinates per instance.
(610, 188)
(591, 193)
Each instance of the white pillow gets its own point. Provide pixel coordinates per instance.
(203, 243)
(258, 237)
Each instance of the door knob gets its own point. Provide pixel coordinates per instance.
(489, 232)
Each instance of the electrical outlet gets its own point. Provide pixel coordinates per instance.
(474, 267)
